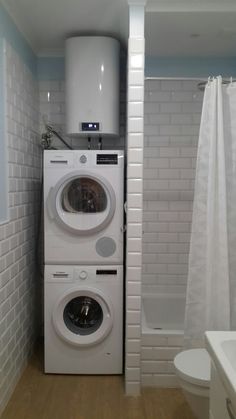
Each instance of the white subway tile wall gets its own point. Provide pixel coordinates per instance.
(52, 111)
(18, 280)
(157, 355)
(171, 126)
(172, 120)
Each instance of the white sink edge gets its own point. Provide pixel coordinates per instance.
(223, 365)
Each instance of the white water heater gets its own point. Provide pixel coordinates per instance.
(92, 86)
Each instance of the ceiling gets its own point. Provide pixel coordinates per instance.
(170, 34)
(172, 27)
(47, 23)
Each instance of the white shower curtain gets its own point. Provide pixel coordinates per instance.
(212, 258)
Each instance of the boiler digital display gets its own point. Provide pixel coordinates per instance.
(90, 126)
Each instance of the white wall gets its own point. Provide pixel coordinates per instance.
(18, 236)
(157, 356)
(172, 120)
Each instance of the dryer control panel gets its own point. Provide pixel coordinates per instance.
(68, 159)
(107, 159)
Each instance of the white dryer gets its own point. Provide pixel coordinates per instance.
(84, 319)
(83, 207)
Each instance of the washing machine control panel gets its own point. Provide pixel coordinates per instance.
(95, 274)
(82, 275)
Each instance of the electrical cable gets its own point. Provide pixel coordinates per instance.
(62, 139)
(89, 143)
(47, 138)
(100, 143)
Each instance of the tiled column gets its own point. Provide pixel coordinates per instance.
(134, 195)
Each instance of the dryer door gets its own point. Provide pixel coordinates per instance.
(82, 203)
(83, 317)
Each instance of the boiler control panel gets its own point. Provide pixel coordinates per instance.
(90, 126)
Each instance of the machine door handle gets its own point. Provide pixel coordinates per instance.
(230, 409)
(49, 203)
(60, 275)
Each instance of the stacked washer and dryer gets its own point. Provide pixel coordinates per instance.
(83, 222)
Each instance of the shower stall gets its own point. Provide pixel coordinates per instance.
(172, 109)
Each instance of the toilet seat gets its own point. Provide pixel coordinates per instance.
(194, 366)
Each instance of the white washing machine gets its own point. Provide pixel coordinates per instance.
(83, 319)
(83, 207)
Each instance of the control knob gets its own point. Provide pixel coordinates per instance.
(83, 159)
(83, 275)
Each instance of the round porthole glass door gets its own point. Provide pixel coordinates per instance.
(83, 317)
(82, 203)
(83, 195)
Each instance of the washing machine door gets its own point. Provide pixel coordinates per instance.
(83, 317)
(82, 203)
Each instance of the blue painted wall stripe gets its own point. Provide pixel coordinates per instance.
(9, 31)
(190, 66)
(51, 68)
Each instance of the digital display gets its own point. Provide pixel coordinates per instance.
(107, 159)
(106, 272)
(90, 126)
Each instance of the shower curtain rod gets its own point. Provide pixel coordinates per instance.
(202, 80)
(225, 79)
(177, 78)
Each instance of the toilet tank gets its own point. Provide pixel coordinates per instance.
(92, 86)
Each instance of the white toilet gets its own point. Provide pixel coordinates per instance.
(193, 371)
